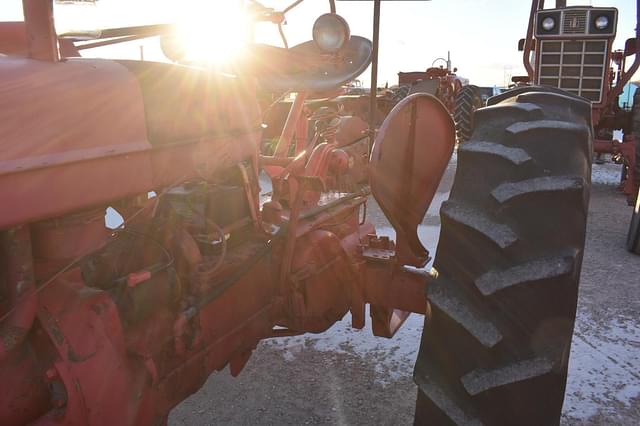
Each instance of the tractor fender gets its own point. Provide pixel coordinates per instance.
(409, 156)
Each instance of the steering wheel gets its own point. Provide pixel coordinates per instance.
(435, 61)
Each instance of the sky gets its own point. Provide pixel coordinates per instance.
(482, 35)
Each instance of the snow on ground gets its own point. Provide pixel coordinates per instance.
(394, 358)
(604, 360)
(112, 218)
(603, 368)
(605, 355)
(603, 373)
(606, 174)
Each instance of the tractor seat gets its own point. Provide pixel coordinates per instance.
(305, 68)
(435, 72)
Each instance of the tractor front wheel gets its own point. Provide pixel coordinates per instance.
(495, 348)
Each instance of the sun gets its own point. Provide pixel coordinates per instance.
(214, 32)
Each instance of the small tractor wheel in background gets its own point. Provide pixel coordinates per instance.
(400, 92)
(495, 347)
(468, 100)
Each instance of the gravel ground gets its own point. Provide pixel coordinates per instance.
(349, 377)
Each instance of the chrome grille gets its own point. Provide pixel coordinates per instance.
(574, 22)
(576, 66)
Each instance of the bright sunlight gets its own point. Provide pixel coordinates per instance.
(213, 33)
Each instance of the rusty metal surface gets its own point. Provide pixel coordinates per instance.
(409, 156)
(42, 41)
(625, 153)
(302, 68)
(90, 118)
(13, 41)
(131, 321)
(83, 116)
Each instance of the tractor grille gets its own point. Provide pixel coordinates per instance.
(574, 22)
(576, 66)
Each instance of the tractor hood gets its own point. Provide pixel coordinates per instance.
(83, 132)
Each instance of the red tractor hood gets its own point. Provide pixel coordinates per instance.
(75, 134)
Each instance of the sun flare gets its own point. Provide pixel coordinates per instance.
(216, 33)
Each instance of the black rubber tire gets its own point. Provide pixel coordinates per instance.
(635, 126)
(526, 89)
(495, 346)
(468, 100)
(633, 237)
(400, 92)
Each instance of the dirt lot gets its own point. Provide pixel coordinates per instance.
(348, 377)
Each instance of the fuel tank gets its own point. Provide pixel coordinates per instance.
(82, 133)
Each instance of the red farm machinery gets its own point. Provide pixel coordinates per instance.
(104, 326)
(571, 48)
(459, 97)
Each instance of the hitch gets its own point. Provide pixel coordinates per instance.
(409, 156)
(393, 291)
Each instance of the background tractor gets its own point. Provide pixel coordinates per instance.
(574, 53)
(571, 48)
(103, 326)
(455, 92)
(459, 97)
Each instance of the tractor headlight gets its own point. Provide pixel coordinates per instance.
(548, 23)
(602, 22)
(331, 32)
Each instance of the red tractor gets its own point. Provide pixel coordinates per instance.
(103, 326)
(459, 97)
(455, 92)
(570, 48)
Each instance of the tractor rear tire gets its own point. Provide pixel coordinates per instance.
(635, 126)
(495, 346)
(468, 100)
(633, 238)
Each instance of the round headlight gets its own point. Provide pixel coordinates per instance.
(548, 23)
(602, 22)
(331, 32)
(172, 47)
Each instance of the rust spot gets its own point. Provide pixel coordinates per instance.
(74, 357)
(11, 335)
(97, 308)
(52, 326)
